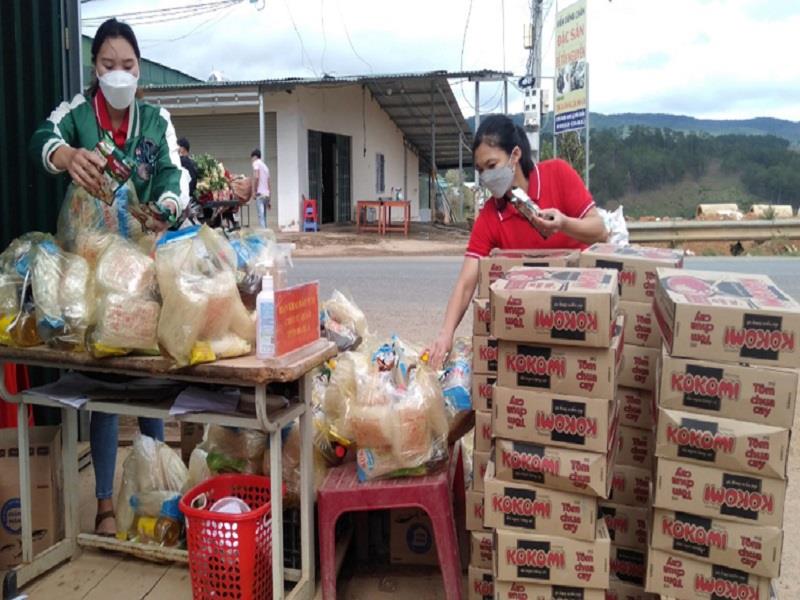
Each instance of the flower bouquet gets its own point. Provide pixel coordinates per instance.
(213, 180)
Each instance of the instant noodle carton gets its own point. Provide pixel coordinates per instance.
(718, 493)
(482, 386)
(483, 431)
(535, 509)
(636, 266)
(627, 525)
(622, 590)
(572, 307)
(750, 548)
(641, 328)
(755, 394)
(728, 317)
(723, 443)
(549, 466)
(481, 317)
(481, 549)
(556, 420)
(480, 461)
(636, 447)
(635, 408)
(474, 507)
(630, 485)
(553, 560)
(494, 267)
(686, 579)
(628, 565)
(638, 368)
(484, 355)
(586, 372)
(522, 590)
(480, 584)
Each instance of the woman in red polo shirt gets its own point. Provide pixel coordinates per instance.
(568, 217)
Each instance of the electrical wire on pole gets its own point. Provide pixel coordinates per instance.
(531, 83)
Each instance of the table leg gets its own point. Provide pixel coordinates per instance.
(276, 499)
(23, 445)
(307, 495)
(69, 462)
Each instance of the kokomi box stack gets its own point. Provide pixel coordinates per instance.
(725, 406)
(485, 352)
(627, 512)
(554, 430)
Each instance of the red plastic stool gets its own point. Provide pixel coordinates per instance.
(341, 492)
(310, 215)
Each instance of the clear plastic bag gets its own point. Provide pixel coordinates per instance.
(124, 269)
(344, 322)
(196, 275)
(239, 450)
(77, 299)
(47, 265)
(616, 226)
(457, 377)
(125, 324)
(157, 467)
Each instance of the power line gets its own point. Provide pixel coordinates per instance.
(463, 45)
(211, 21)
(303, 54)
(350, 41)
(163, 15)
(324, 36)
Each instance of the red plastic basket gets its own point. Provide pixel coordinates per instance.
(230, 556)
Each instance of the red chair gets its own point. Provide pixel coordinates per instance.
(341, 492)
(310, 215)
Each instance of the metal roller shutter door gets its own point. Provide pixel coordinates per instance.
(230, 139)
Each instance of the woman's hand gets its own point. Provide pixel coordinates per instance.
(85, 167)
(440, 349)
(549, 221)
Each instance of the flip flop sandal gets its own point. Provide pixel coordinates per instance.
(99, 519)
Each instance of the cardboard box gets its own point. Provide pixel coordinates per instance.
(635, 408)
(586, 372)
(535, 509)
(750, 548)
(549, 466)
(494, 267)
(480, 461)
(191, 436)
(728, 317)
(668, 574)
(723, 443)
(553, 560)
(411, 538)
(638, 368)
(630, 485)
(481, 549)
(474, 507)
(480, 584)
(483, 431)
(641, 328)
(482, 386)
(545, 418)
(636, 447)
(628, 564)
(481, 317)
(754, 394)
(522, 590)
(572, 307)
(484, 355)
(621, 590)
(627, 525)
(636, 266)
(710, 492)
(46, 493)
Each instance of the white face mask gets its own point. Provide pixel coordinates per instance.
(119, 88)
(498, 180)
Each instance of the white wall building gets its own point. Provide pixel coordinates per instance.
(338, 140)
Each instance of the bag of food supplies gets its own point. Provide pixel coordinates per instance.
(201, 309)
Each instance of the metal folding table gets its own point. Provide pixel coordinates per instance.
(247, 372)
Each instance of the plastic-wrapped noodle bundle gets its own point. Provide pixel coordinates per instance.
(125, 324)
(47, 264)
(123, 268)
(76, 298)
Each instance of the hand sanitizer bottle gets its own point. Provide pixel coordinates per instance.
(265, 319)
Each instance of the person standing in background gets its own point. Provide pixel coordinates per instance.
(261, 191)
(188, 164)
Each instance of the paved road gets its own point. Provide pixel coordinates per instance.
(408, 295)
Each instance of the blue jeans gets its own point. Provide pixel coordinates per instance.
(103, 439)
(262, 204)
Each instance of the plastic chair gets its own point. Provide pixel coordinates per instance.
(341, 492)
(310, 215)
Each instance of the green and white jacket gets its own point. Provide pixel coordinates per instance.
(151, 143)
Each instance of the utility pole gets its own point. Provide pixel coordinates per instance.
(532, 81)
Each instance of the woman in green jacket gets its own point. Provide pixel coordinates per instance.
(145, 135)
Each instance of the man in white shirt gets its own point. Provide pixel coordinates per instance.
(260, 186)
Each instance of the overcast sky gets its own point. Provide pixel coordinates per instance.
(704, 58)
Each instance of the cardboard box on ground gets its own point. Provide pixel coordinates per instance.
(494, 267)
(411, 539)
(46, 492)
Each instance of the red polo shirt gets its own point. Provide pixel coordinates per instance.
(101, 110)
(562, 188)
